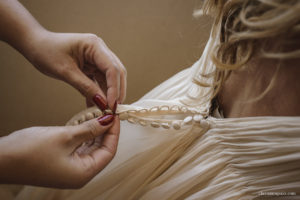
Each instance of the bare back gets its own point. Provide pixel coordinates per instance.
(238, 95)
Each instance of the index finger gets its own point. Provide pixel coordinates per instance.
(123, 79)
(106, 62)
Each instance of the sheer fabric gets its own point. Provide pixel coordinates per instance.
(209, 158)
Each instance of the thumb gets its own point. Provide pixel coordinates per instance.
(91, 129)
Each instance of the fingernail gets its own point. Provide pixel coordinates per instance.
(115, 107)
(100, 102)
(105, 120)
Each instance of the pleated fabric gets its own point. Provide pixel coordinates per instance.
(234, 159)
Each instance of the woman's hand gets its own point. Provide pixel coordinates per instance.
(82, 60)
(55, 157)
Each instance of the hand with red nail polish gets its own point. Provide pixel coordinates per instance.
(55, 156)
(81, 59)
(88, 64)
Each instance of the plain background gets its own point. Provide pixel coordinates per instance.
(153, 38)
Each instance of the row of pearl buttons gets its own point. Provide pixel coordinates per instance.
(87, 116)
(166, 124)
(132, 116)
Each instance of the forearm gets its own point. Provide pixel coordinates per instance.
(17, 26)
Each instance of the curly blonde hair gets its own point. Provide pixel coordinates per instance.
(246, 28)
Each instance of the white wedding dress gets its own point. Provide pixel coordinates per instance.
(171, 148)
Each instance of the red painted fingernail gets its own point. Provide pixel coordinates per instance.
(115, 107)
(105, 120)
(100, 102)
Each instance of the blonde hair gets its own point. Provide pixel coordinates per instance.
(246, 28)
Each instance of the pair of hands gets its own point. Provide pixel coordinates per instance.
(53, 156)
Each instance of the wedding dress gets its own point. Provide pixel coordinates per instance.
(172, 147)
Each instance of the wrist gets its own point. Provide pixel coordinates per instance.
(30, 39)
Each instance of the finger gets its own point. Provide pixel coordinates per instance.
(88, 102)
(87, 87)
(101, 81)
(106, 63)
(123, 86)
(107, 151)
(91, 129)
(123, 79)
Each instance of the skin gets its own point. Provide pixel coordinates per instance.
(242, 86)
(49, 156)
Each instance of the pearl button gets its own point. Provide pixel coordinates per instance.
(204, 123)
(123, 116)
(143, 122)
(165, 125)
(97, 113)
(155, 124)
(197, 118)
(176, 125)
(82, 119)
(89, 116)
(131, 120)
(188, 120)
(164, 108)
(154, 109)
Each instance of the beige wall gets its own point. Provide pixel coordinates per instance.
(154, 39)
